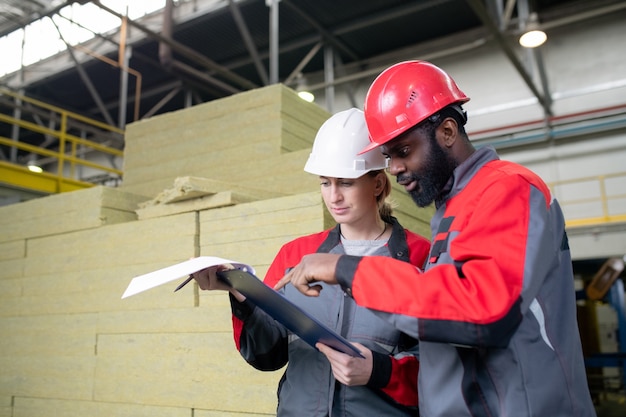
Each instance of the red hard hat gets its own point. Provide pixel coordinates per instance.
(405, 94)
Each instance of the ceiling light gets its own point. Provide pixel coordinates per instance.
(534, 36)
(33, 167)
(302, 89)
(306, 96)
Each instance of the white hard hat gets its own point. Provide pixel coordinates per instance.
(337, 144)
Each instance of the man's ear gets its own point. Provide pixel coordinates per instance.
(448, 132)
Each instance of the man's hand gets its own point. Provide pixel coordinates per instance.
(316, 267)
(349, 370)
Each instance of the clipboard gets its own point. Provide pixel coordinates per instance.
(242, 279)
(284, 311)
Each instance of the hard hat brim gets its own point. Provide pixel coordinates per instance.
(372, 145)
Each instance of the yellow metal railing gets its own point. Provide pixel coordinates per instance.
(592, 200)
(69, 151)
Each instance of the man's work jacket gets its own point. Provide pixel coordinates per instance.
(495, 310)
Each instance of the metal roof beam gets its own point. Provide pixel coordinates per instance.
(85, 77)
(482, 13)
(332, 39)
(534, 56)
(303, 62)
(187, 52)
(247, 39)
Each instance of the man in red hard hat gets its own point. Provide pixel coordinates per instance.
(494, 308)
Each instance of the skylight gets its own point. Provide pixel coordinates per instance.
(47, 36)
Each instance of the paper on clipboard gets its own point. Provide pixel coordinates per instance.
(162, 276)
(243, 279)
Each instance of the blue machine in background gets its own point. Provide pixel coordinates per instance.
(606, 286)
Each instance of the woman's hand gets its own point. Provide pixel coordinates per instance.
(207, 280)
(349, 370)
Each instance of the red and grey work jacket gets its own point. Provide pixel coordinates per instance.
(308, 387)
(495, 309)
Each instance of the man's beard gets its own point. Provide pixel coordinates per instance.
(433, 177)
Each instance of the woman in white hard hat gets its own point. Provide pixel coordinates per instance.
(384, 382)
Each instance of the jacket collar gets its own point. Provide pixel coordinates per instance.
(464, 173)
(397, 243)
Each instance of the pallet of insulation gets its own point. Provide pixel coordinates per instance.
(236, 131)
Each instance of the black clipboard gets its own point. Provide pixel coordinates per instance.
(284, 311)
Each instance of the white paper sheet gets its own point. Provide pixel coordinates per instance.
(154, 279)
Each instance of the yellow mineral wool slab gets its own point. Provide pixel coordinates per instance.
(182, 144)
(12, 250)
(269, 206)
(12, 268)
(74, 335)
(56, 376)
(180, 367)
(10, 288)
(262, 97)
(171, 320)
(25, 407)
(76, 210)
(194, 134)
(199, 161)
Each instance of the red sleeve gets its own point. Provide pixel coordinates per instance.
(482, 284)
(237, 329)
(402, 386)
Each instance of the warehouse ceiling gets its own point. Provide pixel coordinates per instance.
(229, 48)
(198, 57)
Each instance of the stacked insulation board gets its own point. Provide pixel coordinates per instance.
(222, 179)
(259, 139)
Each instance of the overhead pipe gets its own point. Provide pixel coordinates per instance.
(552, 133)
(186, 51)
(123, 61)
(447, 51)
(165, 50)
(582, 115)
(125, 69)
(535, 131)
(329, 76)
(374, 71)
(273, 5)
(330, 38)
(85, 77)
(172, 65)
